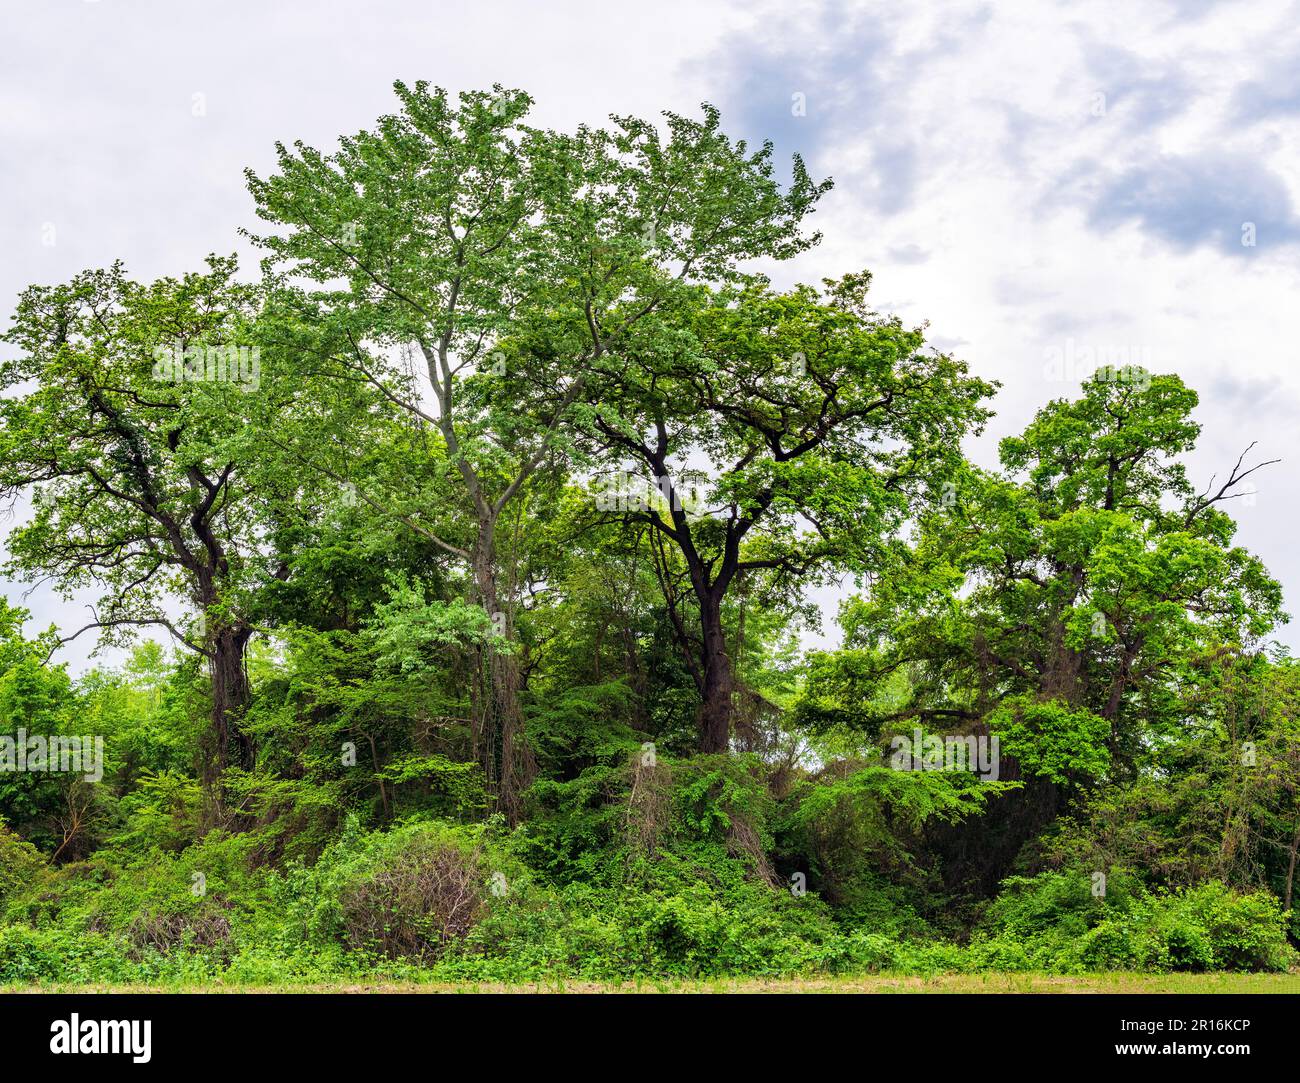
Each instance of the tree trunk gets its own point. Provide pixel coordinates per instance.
(718, 684)
(228, 744)
(517, 765)
(231, 696)
(1290, 868)
(503, 721)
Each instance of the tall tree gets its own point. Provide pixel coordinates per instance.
(128, 424)
(805, 427)
(457, 230)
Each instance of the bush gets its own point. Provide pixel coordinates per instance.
(1062, 927)
(406, 894)
(427, 892)
(854, 953)
(46, 955)
(1240, 931)
(21, 865)
(416, 903)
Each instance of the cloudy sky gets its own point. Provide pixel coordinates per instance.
(1044, 183)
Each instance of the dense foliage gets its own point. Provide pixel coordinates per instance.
(482, 527)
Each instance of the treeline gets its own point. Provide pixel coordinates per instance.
(483, 524)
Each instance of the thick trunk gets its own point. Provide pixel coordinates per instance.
(502, 724)
(718, 683)
(230, 698)
(227, 744)
(517, 764)
(1064, 674)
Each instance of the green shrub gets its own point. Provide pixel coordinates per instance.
(29, 955)
(22, 866)
(416, 903)
(1240, 931)
(1062, 927)
(408, 893)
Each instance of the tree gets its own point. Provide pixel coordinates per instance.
(1217, 796)
(1094, 582)
(1067, 603)
(459, 231)
(130, 425)
(806, 427)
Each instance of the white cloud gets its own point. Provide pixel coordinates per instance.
(1078, 177)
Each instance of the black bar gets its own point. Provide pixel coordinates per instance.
(772, 1031)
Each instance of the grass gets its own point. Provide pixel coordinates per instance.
(876, 983)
